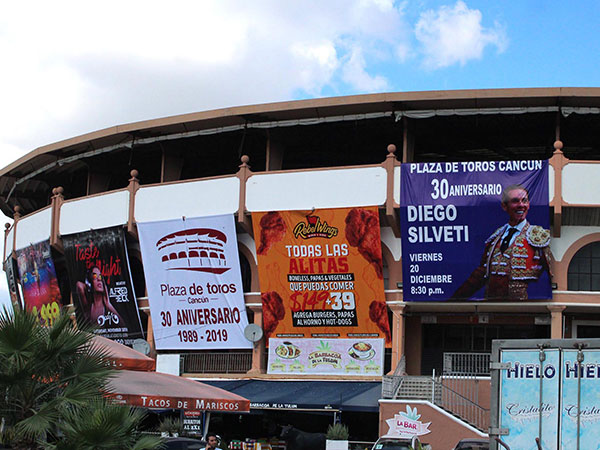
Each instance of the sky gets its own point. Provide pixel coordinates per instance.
(73, 67)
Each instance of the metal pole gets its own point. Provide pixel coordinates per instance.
(206, 421)
(580, 358)
(542, 359)
(502, 443)
(433, 387)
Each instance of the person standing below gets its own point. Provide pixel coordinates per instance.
(516, 254)
(212, 441)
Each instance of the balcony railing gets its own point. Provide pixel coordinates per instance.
(474, 364)
(435, 390)
(217, 362)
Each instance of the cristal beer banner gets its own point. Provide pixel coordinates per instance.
(475, 230)
(321, 273)
(305, 356)
(194, 284)
(41, 293)
(101, 283)
(583, 377)
(521, 404)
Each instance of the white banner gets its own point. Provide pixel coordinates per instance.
(194, 283)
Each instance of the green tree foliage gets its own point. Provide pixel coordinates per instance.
(337, 432)
(98, 426)
(51, 385)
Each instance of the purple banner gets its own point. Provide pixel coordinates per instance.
(476, 230)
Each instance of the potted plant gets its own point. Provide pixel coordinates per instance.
(337, 437)
(170, 427)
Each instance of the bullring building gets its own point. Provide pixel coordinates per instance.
(372, 227)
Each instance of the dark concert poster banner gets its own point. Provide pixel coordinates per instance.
(453, 223)
(11, 271)
(101, 283)
(41, 293)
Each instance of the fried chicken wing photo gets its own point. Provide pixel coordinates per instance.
(362, 231)
(379, 315)
(273, 311)
(272, 230)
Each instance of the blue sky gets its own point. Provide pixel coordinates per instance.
(72, 67)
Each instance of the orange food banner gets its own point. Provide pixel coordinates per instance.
(321, 273)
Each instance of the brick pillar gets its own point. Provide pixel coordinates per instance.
(150, 336)
(397, 334)
(243, 174)
(258, 351)
(132, 187)
(556, 313)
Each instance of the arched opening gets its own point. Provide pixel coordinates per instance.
(584, 269)
(246, 273)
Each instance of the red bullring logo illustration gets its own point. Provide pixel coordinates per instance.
(198, 249)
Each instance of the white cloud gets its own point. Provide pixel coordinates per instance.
(454, 35)
(316, 64)
(355, 74)
(72, 67)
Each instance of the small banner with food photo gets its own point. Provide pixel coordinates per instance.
(361, 357)
(321, 274)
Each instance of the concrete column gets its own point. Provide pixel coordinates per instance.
(558, 162)
(397, 334)
(258, 351)
(243, 174)
(56, 203)
(134, 185)
(556, 314)
(150, 336)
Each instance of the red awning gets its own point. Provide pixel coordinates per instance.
(161, 390)
(123, 357)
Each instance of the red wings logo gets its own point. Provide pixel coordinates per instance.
(198, 249)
